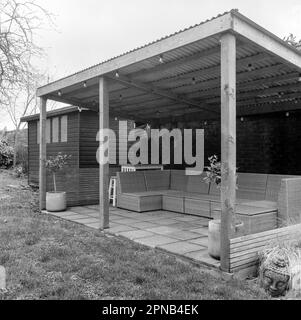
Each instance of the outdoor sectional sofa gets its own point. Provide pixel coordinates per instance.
(263, 198)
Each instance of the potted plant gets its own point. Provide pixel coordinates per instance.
(56, 200)
(213, 176)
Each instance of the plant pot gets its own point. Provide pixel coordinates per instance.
(214, 237)
(56, 201)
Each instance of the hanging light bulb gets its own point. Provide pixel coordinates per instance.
(85, 84)
(299, 79)
(287, 114)
(161, 58)
(242, 119)
(59, 93)
(117, 74)
(250, 67)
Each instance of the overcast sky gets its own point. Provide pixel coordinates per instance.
(91, 31)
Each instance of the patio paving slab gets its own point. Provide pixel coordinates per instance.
(186, 218)
(144, 225)
(180, 247)
(203, 256)
(119, 229)
(184, 235)
(75, 216)
(165, 222)
(62, 214)
(81, 210)
(202, 230)
(127, 221)
(136, 234)
(87, 220)
(93, 225)
(202, 241)
(155, 240)
(163, 230)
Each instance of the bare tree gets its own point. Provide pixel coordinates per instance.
(19, 22)
(292, 40)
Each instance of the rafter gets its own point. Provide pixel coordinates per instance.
(157, 91)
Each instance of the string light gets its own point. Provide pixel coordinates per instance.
(242, 119)
(117, 74)
(250, 67)
(287, 114)
(85, 84)
(59, 93)
(161, 59)
(299, 79)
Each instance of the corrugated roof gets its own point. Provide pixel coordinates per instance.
(146, 45)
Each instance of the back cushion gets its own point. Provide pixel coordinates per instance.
(157, 179)
(251, 186)
(197, 184)
(273, 186)
(178, 180)
(132, 182)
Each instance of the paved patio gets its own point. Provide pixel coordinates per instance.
(173, 232)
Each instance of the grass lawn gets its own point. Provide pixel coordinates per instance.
(49, 258)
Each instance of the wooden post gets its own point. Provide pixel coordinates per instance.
(42, 168)
(228, 143)
(103, 168)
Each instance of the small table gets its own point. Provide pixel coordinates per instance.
(129, 167)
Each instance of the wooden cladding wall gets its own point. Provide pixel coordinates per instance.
(89, 125)
(67, 179)
(89, 184)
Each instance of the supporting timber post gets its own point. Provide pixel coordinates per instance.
(42, 166)
(103, 167)
(228, 143)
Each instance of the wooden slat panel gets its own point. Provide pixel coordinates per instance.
(244, 250)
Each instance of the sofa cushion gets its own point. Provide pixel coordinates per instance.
(157, 179)
(132, 181)
(197, 184)
(251, 186)
(261, 204)
(178, 180)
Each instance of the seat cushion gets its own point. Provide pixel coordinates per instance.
(157, 179)
(261, 204)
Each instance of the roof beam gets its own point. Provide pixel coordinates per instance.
(163, 93)
(265, 39)
(204, 30)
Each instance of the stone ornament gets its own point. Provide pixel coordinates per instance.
(275, 273)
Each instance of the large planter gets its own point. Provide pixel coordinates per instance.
(56, 201)
(214, 237)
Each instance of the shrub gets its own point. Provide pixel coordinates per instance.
(6, 154)
(22, 157)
